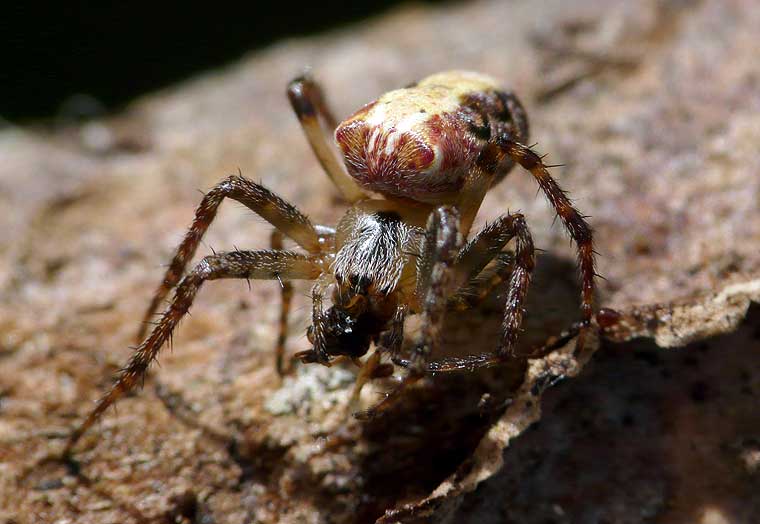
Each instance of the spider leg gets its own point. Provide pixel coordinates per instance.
(481, 286)
(286, 295)
(310, 107)
(442, 244)
(435, 281)
(574, 222)
(258, 199)
(482, 249)
(444, 268)
(514, 226)
(236, 264)
(316, 332)
(392, 339)
(486, 360)
(485, 246)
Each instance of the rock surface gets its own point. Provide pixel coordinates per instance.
(654, 110)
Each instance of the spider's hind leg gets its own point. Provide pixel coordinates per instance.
(310, 107)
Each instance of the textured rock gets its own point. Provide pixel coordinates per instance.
(653, 108)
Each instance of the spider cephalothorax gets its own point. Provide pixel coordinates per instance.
(429, 153)
(373, 250)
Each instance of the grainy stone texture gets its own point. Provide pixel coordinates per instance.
(654, 110)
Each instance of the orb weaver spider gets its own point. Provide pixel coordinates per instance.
(428, 153)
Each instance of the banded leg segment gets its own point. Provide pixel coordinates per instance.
(309, 105)
(316, 332)
(443, 243)
(485, 246)
(482, 249)
(514, 226)
(255, 197)
(574, 222)
(237, 264)
(487, 360)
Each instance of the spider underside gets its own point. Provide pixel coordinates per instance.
(431, 151)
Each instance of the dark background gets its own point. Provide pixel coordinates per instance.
(114, 52)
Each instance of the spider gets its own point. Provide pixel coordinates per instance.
(417, 163)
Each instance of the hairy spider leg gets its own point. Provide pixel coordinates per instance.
(469, 262)
(318, 353)
(451, 270)
(286, 299)
(255, 197)
(472, 363)
(482, 285)
(482, 249)
(486, 245)
(442, 244)
(236, 264)
(472, 260)
(514, 226)
(575, 223)
(309, 105)
(481, 177)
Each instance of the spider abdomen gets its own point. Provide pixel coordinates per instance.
(421, 141)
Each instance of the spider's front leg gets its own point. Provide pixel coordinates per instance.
(282, 215)
(469, 264)
(236, 264)
(436, 279)
(316, 333)
(327, 237)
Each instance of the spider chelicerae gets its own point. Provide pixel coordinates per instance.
(417, 164)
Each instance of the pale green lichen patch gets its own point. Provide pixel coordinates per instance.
(308, 386)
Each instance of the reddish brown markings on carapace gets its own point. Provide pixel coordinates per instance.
(420, 142)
